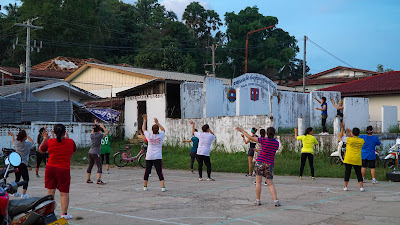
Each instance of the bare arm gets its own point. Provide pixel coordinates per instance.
(254, 139)
(244, 139)
(186, 141)
(30, 139)
(318, 100)
(144, 125)
(192, 123)
(106, 132)
(12, 136)
(295, 133)
(209, 130)
(334, 105)
(45, 138)
(159, 125)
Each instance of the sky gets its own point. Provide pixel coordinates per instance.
(362, 33)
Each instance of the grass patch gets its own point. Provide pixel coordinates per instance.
(286, 162)
(283, 130)
(394, 129)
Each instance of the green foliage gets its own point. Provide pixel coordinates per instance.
(394, 129)
(381, 69)
(145, 34)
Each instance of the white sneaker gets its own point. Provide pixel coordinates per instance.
(345, 189)
(210, 179)
(326, 133)
(362, 189)
(363, 180)
(25, 196)
(322, 133)
(144, 188)
(163, 189)
(16, 194)
(374, 181)
(149, 175)
(108, 172)
(200, 179)
(265, 183)
(257, 202)
(67, 216)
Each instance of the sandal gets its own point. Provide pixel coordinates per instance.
(100, 182)
(89, 182)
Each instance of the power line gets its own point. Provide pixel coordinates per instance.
(326, 51)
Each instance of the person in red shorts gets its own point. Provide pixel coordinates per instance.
(57, 173)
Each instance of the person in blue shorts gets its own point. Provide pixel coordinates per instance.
(368, 153)
(193, 150)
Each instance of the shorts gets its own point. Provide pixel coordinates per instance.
(57, 178)
(264, 169)
(250, 152)
(368, 163)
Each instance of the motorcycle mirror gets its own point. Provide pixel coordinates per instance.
(14, 159)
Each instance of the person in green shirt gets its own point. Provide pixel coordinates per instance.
(307, 151)
(106, 151)
(193, 150)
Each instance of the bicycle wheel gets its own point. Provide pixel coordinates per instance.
(32, 161)
(142, 160)
(119, 161)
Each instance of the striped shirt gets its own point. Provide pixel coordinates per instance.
(268, 150)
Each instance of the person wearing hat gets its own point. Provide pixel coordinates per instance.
(368, 153)
(339, 108)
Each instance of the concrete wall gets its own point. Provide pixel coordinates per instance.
(356, 112)
(155, 107)
(315, 115)
(244, 104)
(377, 101)
(191, 100)
(389, 118)
(223, 127)
(79, 132)
(291, 106)
(213, 93)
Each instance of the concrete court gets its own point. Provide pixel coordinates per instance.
(228, 200)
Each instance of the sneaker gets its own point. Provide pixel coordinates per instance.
(18, 195)
(210, 179)
(362, 189)
(277, 203)
(89, 181)
(149, 175)
(363, 180)
(25, 196)
(37, 175)
(66, 216)
(108, 172)
(345, 189)
(163, 189)
(312, 178)
(257, 202)
(322, 133)
(299, 177)
(144, 188)
(374, 181)
(200, 179)
(100, 182)
(265, 183)
(255, 182)
(249, 175)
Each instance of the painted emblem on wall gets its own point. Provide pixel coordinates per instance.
(231, 95)
(255, 94)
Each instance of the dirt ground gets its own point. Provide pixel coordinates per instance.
(229, 200)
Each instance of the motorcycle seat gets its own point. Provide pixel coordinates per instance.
(19, 206)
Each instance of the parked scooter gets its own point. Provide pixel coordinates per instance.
(337, 157)
(392, 159)
(35, 210)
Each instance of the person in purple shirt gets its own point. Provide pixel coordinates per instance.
(265, 162)
(368, 153)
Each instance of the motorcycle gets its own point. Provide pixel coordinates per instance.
(35, 210)
(392, 159)
(337, 157)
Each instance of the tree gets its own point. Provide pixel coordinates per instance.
(381, 69)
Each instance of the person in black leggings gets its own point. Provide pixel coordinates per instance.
(307, 151)
(250, 152)
(40, 156)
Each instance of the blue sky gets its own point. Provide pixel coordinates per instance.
(361, 33)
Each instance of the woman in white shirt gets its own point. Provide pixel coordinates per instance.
(154, 151)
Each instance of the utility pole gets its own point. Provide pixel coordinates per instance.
(213, 64)
(304, 65)
(28, 25)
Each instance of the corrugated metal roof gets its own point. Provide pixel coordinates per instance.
(163, 74)
(46, 111)
(10, 111)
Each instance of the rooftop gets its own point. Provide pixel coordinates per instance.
(35, 73)
(64, 64)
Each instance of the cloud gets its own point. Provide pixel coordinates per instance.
(179, 6)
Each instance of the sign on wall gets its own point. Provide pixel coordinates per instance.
(255, 94)
(231, 95)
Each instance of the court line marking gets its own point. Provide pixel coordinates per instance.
(297, 206)
(128, 216)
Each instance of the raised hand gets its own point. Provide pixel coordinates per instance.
(45, 134)
(239, 129)
(10, 133)
(191, 122)
(155, 120)
(144, 116)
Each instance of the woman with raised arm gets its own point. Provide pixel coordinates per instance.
(40, 156)
(203, 151)
(57, 174)
(265, 162)
(22, 147)
(339, 108)
(94, 153)
(307, 151)
(154, 151)
(250, 152)
(324, 114)
(193, 150)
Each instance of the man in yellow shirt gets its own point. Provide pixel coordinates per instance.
(353, 155)
(307, 151)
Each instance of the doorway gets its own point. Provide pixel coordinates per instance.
(141, 107)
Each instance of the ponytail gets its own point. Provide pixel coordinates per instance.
(59, 130)
(39, 141)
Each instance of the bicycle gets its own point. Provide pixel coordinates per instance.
(124, 156)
